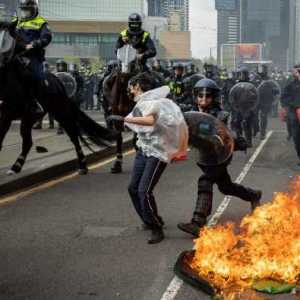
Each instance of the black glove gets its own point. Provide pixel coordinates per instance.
(116, 121)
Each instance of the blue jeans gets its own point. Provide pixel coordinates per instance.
(145, 175)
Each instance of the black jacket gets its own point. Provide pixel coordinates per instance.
(142, 43)
(40, 37)
(291, 95)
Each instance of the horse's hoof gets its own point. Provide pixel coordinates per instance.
(116, 168)
(11, 172)
(83, 171)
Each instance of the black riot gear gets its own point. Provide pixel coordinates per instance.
(206, 85)
(243, 97)
(210, 137)
(61, 66)
(243, 75)
(135, 24)
(28, 8)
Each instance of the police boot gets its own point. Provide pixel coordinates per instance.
(117, 167)
(193, 227)
(255, 201)
(157, 235)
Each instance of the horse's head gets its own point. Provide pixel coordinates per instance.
(127, 56)
(7, 47)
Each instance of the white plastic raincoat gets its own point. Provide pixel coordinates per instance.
(168, 137)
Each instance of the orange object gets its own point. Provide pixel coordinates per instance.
(180, 158)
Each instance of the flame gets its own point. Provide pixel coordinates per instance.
(265, 245)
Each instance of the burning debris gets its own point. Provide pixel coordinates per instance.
(265, 246)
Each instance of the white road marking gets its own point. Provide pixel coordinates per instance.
(176, 283)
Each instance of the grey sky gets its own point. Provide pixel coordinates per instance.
(203, 26)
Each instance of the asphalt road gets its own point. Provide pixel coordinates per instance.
(80, 239)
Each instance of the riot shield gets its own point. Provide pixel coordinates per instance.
(243, 97)
(7, 46)
(69, 83)
(210, 137)
(268, 90)
(126, 55)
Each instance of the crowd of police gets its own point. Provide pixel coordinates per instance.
(241, 100)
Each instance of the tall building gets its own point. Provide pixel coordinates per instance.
(257, 21)
(228, 22)
(267, 22)
(170, 8)
(294, 37)
(87, 28)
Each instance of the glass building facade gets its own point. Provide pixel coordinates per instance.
(256, 21)
(90, 10)
(163, 8)
(86, 40)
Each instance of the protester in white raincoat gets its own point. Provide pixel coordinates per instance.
(162, 136)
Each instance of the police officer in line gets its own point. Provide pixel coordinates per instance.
(215, 144)
(268, 91)
(140, 39)
(290, 100)
(78, 97)
(176, 83)
(34, 35)
(242, 121)
(157, 67)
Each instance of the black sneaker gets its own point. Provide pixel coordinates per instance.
(191, 228)
(157, 235)
(256, 201)
(117, 167)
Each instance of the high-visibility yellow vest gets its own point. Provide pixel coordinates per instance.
(146, 34)
(34, 24)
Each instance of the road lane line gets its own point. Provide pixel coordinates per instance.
(15, 197)
(176, 283)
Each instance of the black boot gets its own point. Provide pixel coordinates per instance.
(117, 167)
(157, 235)
(255, 202)
(193, 227)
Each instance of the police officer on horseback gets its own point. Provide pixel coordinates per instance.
(138, 38)
(34, 35)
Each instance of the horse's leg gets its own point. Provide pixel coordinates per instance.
(117, 167)
(5, 122)
(73, 134)
(26, 132)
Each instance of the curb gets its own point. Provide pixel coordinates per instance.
(41, 176)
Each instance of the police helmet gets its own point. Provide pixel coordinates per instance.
(135, 24)
(243, 74)
(178, 67)
(61, 66)
(207, 85)
(28, 9)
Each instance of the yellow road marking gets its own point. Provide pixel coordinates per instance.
(43, 186)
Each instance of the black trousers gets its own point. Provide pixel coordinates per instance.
(295, 129)
(217, 175)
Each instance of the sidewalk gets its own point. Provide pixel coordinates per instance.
(60, 158)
